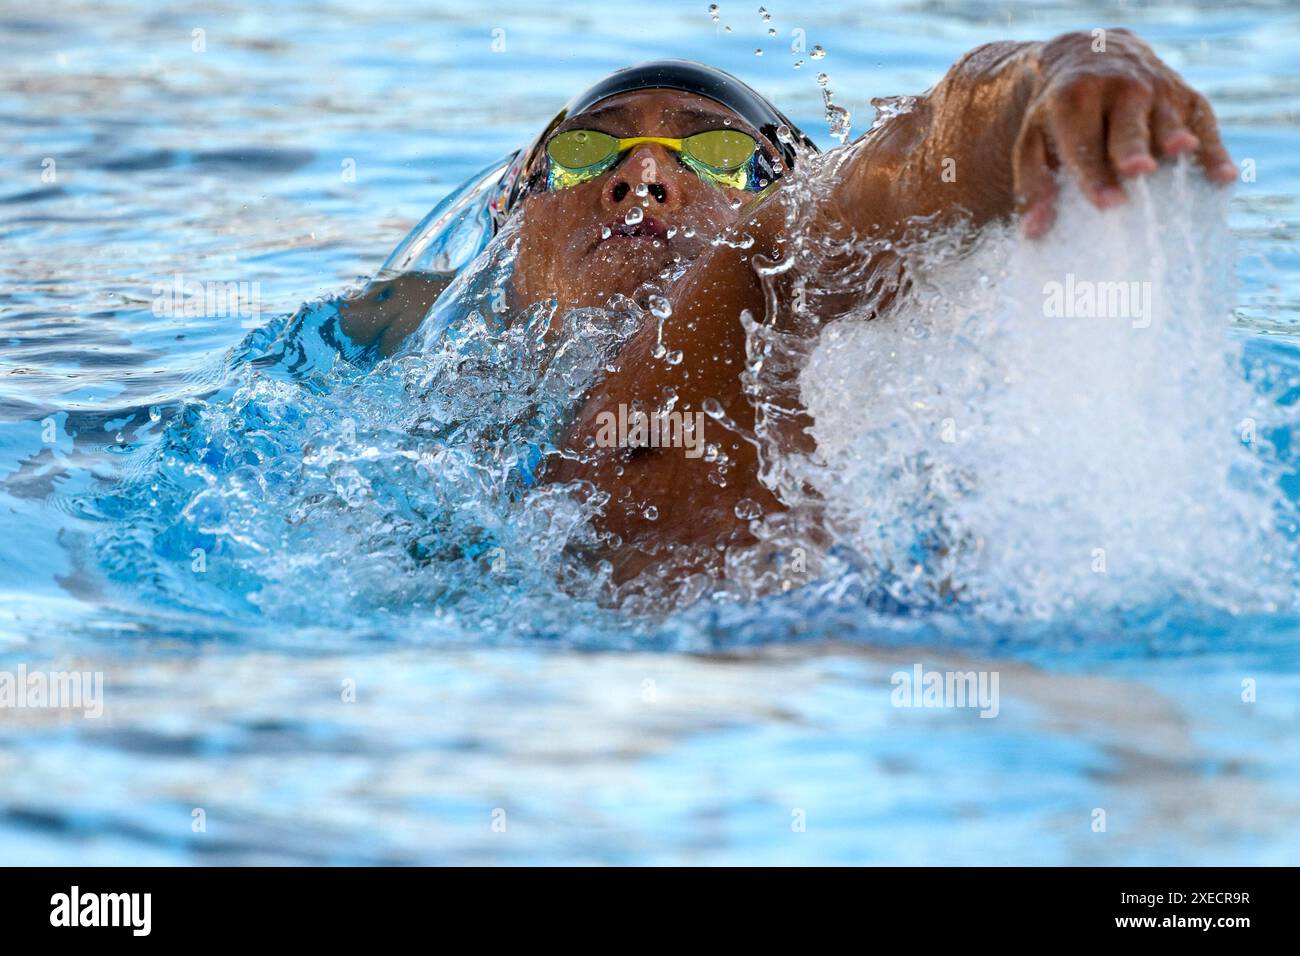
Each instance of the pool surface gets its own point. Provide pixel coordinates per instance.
(326, 619)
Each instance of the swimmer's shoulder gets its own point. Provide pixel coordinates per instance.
(387, 310)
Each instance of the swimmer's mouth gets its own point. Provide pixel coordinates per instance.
(647, 228)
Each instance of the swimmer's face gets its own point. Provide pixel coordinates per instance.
(564, 250)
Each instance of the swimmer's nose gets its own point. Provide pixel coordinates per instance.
(652, 166)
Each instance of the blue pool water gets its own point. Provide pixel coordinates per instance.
(372, 662)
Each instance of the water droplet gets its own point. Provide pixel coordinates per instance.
(713, 408)
(660, 307)
(155, 413)
(634, 215)
(650, 513)
(798, 63)
(674, 357)
(713, 10)
(838, 119)
(771, 31)
(672, 231)
(758, 51)
(605, 232)
(689, 232)
(817, 52)
(641, 189)
(748, 509)
(762, 12)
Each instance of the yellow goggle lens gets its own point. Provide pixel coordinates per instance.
(580, 148)
(720, 148)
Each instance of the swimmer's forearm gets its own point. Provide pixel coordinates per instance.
(964, 165)
(951, 154)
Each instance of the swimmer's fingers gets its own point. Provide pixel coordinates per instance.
(1128, 130)
(1183, 122)
(1170, 133)
(1210, 153)
(1035, 180)
(1078, 130)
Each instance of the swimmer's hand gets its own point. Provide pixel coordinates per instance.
(1106, 108)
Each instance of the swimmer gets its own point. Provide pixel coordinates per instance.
(643, 171)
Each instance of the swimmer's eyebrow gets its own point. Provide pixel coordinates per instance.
(599, 113)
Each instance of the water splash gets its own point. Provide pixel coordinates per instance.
(978, 448)
(320, 487)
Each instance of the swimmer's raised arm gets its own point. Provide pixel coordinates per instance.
(989, 139)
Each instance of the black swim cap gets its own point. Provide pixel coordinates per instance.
(687, 76)
(707, 81)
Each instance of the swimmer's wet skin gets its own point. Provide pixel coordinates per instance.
(985, 144)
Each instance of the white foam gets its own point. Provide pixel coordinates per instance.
(971, 441)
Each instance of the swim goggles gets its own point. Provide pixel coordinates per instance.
(725, 157)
